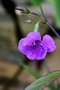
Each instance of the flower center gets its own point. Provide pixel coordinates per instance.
(36, 43)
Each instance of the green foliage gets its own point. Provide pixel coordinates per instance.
(58, 86)
(36, 2)
(43, 81)
(56, 5)
(36, 75)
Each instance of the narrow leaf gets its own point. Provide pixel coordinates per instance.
(43, 81)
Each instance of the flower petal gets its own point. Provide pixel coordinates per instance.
(49, 43)
(21, 45)
(23, 48)
(33, 36)
(38, 54)
(30, 38)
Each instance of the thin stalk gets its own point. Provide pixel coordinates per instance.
(46, 65)
(44, 16)
(53, 30)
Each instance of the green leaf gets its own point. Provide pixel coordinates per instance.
(43, 81)
(36, 75)
(36, 2)
(56, 5)
(52, 86)
(32, 72)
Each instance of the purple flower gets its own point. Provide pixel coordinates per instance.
(34, 48)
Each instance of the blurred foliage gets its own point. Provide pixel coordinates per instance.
(32, 72)
(36, 2)
(56, 5)
(58, 86)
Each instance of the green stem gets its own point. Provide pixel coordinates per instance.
(37, 25)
